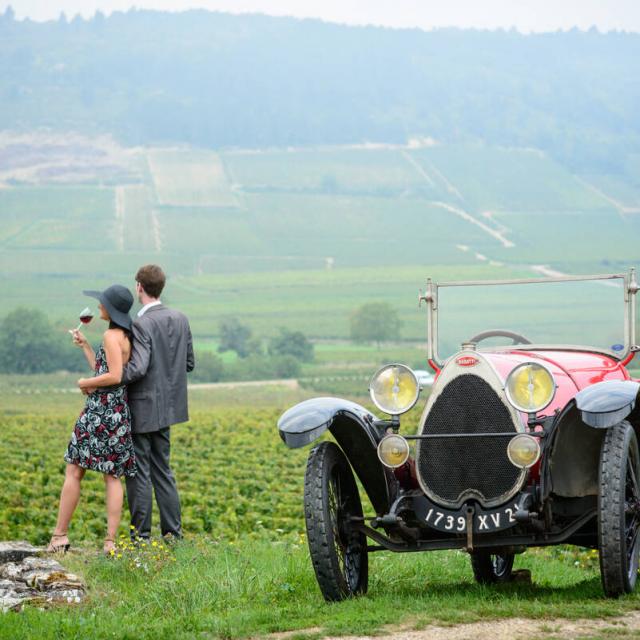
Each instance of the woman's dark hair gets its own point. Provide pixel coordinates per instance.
(115, 325)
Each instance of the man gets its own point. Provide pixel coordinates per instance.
(156, 375)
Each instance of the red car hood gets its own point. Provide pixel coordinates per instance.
(572, 370)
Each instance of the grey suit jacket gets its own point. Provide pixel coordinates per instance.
(156, 374)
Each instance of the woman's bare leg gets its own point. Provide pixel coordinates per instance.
(115, 498)
(69, 497)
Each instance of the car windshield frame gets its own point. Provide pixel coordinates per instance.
(630, 288)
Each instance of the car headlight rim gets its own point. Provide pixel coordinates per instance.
(520, 406)
(402, 446)
(413, 389)
(520, 438)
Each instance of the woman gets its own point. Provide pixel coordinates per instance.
(101, 439)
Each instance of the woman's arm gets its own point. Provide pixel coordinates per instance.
(80, 341)
(113, 352)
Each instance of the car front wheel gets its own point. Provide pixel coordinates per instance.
(619, 510)
(331, 499)
(491, 567)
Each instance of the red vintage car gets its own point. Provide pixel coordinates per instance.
(529, 443)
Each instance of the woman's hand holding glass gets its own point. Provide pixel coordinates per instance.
(79, 338)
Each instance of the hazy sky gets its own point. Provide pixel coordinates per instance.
(525, 15)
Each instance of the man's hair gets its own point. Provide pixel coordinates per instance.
(152, 279)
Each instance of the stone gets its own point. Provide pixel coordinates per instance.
(11, 571)
(7, 586)
(10, 603)
(16, 551)
(28, 578)
(521, 575)
(54, 580)
(42, 563)
(70, 596)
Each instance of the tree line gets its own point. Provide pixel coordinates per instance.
(30, 344)
(220, 80)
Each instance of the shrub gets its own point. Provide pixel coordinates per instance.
(291, 343)
(375, 322)
(29, 344)
(209, 368)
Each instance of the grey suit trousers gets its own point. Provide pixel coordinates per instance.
(154, 475)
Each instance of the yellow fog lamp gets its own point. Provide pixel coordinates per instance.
(530, 387)
(394, 389)
(523, 451)
(393, 451)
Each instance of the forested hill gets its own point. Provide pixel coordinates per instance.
(218, 80)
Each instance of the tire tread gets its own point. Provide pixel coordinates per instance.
(613, 460)
(320, 461)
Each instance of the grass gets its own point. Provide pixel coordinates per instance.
(132, 231)
(244, 568)
(61, 218)
(255, 587)
(500, 179)
(317, 302)
(353, 170)
(301, 238)
(50, 395)
(189, 178)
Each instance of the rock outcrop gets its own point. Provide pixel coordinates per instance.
(25, 576)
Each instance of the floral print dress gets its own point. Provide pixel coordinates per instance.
(101, 439)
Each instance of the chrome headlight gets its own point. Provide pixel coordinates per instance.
(530, 387)
(523, 451)
(393, 451)
(394, 389)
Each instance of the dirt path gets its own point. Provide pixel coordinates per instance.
(622, 208)
(498, 235)
(290, 383)
(627, 626)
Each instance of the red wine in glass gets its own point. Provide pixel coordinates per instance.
(86, 316)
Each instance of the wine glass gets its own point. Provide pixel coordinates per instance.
(86, 315)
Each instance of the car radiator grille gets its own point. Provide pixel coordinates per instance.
(454, 468)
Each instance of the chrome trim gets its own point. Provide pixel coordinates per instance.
(467, 283)
(487, 371)
(418, 389)
(552, 347)
(386, 464)
(630, 290)
(542, 365)
(529, 437)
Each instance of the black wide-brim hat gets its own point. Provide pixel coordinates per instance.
(117, 300)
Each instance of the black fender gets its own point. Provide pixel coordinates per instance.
(571, 460)
(355, 431)
(606, 403)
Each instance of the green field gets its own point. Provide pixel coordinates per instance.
(212, 456)
(300, 238)
(185, 178)
(214, 589)
(318, 302)
(244, 569)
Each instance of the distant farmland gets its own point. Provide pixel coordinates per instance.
(302, 237)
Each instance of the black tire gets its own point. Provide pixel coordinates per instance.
(338, 552)
(489, 568)
(619, 510)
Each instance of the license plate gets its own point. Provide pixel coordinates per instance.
(484, 520)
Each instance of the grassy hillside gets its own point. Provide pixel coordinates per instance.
(299, 237)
